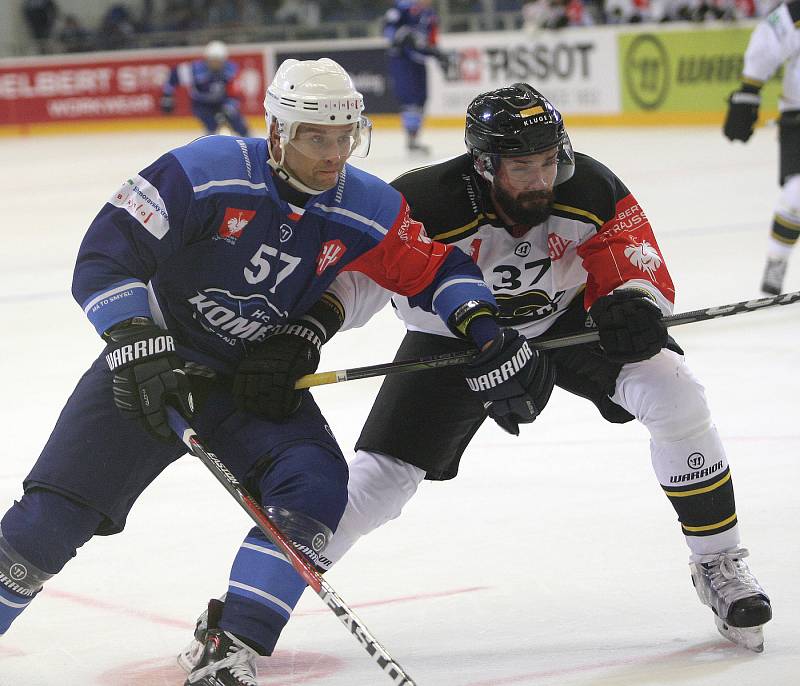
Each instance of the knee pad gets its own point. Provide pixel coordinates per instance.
(47, 528)
(665, 396)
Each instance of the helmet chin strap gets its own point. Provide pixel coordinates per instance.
(280, 169)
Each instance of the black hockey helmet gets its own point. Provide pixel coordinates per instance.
(515, 120)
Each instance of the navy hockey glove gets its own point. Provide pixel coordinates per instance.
(513, 380)
(264, 382)
(742, 113)
(167, 104)
(630, 324)
(147, 375)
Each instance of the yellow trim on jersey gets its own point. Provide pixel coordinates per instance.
(718, 525)
(463, 229)
(577, 210)
(697, 491)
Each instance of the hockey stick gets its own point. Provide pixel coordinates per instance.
(300, 563)
(463, 357)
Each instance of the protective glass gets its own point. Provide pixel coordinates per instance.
(528, 172)
(320, 143)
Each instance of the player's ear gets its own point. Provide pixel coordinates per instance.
(274, 139)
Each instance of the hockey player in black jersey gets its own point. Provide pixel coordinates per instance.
(560, 239)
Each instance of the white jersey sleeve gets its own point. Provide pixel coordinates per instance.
(360, 296)
(774, 42)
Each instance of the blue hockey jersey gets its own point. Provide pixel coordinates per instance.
(204, 85)
(412, 30)
(202, 241)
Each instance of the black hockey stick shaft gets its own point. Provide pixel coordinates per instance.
(299, 561)
(589, 336)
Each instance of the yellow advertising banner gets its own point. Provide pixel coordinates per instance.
(689, 71)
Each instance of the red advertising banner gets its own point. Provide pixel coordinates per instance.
(128, 87)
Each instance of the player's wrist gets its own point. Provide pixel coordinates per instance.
(474, 319)
(326, 316)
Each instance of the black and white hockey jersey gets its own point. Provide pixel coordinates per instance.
(597, 239)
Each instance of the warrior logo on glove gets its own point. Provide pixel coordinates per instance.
(503, 373)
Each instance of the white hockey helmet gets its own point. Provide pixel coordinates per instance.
(317, 92)
(216, 50)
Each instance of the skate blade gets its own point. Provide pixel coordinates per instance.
(751, 638)
(190, 656)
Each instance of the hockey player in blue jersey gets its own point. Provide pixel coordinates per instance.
(412, 29)
(214, 276)
(210, 83)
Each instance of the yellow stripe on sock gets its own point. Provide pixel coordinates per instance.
(709, 527)
(697, 491)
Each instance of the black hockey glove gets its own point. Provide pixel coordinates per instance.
(147, 375)
(513, 380)
(742, 113)
(630, 325)
(167, 104)
(264, 381)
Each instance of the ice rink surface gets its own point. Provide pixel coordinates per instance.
(554, 558)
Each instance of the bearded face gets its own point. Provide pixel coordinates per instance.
(522, 189)
(530, 208)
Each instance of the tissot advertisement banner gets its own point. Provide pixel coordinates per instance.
(109, 88)
(366, 66)
(574, 68)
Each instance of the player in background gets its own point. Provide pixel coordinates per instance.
(775, 41)
(214, 276)
(210, 83)
(412, 28)
(561, 241)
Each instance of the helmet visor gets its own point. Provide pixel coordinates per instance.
(320, 142)
(536, 171)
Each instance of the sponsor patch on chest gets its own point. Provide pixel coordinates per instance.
(234, 223)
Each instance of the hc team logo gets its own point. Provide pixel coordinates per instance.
(557, 246)
(330, 254)
(234, 222)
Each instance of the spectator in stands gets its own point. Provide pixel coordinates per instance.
(302, 12)
(177, 15)
(41, 17)
(117, 28)
(75, 37)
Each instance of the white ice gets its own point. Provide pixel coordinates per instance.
(554, 558)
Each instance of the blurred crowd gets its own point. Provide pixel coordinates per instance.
(554, 14)
(124, 23)
(56, 31)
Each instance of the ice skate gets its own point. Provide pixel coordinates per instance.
(417, 149)
(216, 657)
(725, 583)
(190, 656)
(774, 272)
